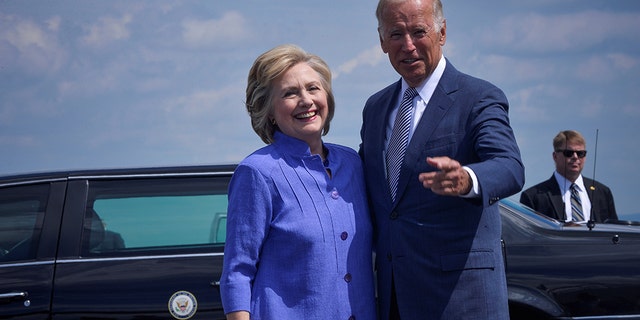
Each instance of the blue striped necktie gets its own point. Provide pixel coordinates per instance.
(576, 204)
(399, 140)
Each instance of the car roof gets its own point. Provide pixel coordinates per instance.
(522, 212)
(49, 176)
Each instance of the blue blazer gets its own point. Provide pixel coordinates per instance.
(443, 253)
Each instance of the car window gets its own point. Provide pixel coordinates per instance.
(21, 215)
(133, 215)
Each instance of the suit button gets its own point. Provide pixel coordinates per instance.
(389, 256)
(335, 194)
(394, 215)
(344, 235)
(347, 277)
(352, 318)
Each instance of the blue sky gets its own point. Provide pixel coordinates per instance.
(95, 84)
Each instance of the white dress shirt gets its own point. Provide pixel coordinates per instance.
(565, 191)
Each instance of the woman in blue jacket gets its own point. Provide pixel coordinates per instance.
(298, 231)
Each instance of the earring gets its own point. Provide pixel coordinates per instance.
(273, 122)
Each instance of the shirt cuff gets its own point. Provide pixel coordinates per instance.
(475, 186)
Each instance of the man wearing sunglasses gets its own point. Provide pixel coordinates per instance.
(568, 196)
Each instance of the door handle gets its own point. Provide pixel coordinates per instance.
(13, 296)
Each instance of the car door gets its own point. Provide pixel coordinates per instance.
(597, 271)
(572, 270)
(29, 224)
(142, 247)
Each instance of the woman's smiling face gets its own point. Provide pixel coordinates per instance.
(300, 103)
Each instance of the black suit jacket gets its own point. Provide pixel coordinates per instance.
(545, 198)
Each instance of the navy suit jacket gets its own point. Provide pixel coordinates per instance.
(443, 252)
(545, 198)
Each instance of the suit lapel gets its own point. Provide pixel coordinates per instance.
(383, 107)
(437, 107)
(592, 193)
(555, 198)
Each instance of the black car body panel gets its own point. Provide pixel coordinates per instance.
(571, 271)
(148, 244)
(171, 220)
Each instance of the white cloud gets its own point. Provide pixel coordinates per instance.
(632, 110)
(509, 72)
(231, 27)
(594, 69)
(27, 46)
(605, 67)
(175, 94)
(623, 61)
(53, 24)
(553, 33)
(592, 107)
(197, 103)
(90, 80)
(107, 30)
(369, 57)
(524, 108)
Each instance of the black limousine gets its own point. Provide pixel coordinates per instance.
(148, 244)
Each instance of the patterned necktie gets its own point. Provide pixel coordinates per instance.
(399, 140)
(576, 204)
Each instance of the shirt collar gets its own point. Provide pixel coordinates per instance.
(290, 145)
(565, 184)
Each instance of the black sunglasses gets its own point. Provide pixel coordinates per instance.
(569, 153)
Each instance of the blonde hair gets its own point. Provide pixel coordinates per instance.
(561, 139)
(269, 66)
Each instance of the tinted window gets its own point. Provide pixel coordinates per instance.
(21, 215)
(131, 215)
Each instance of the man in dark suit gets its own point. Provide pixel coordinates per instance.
(434, 201)
(553, 197)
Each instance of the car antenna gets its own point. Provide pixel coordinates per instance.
(591, 223)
